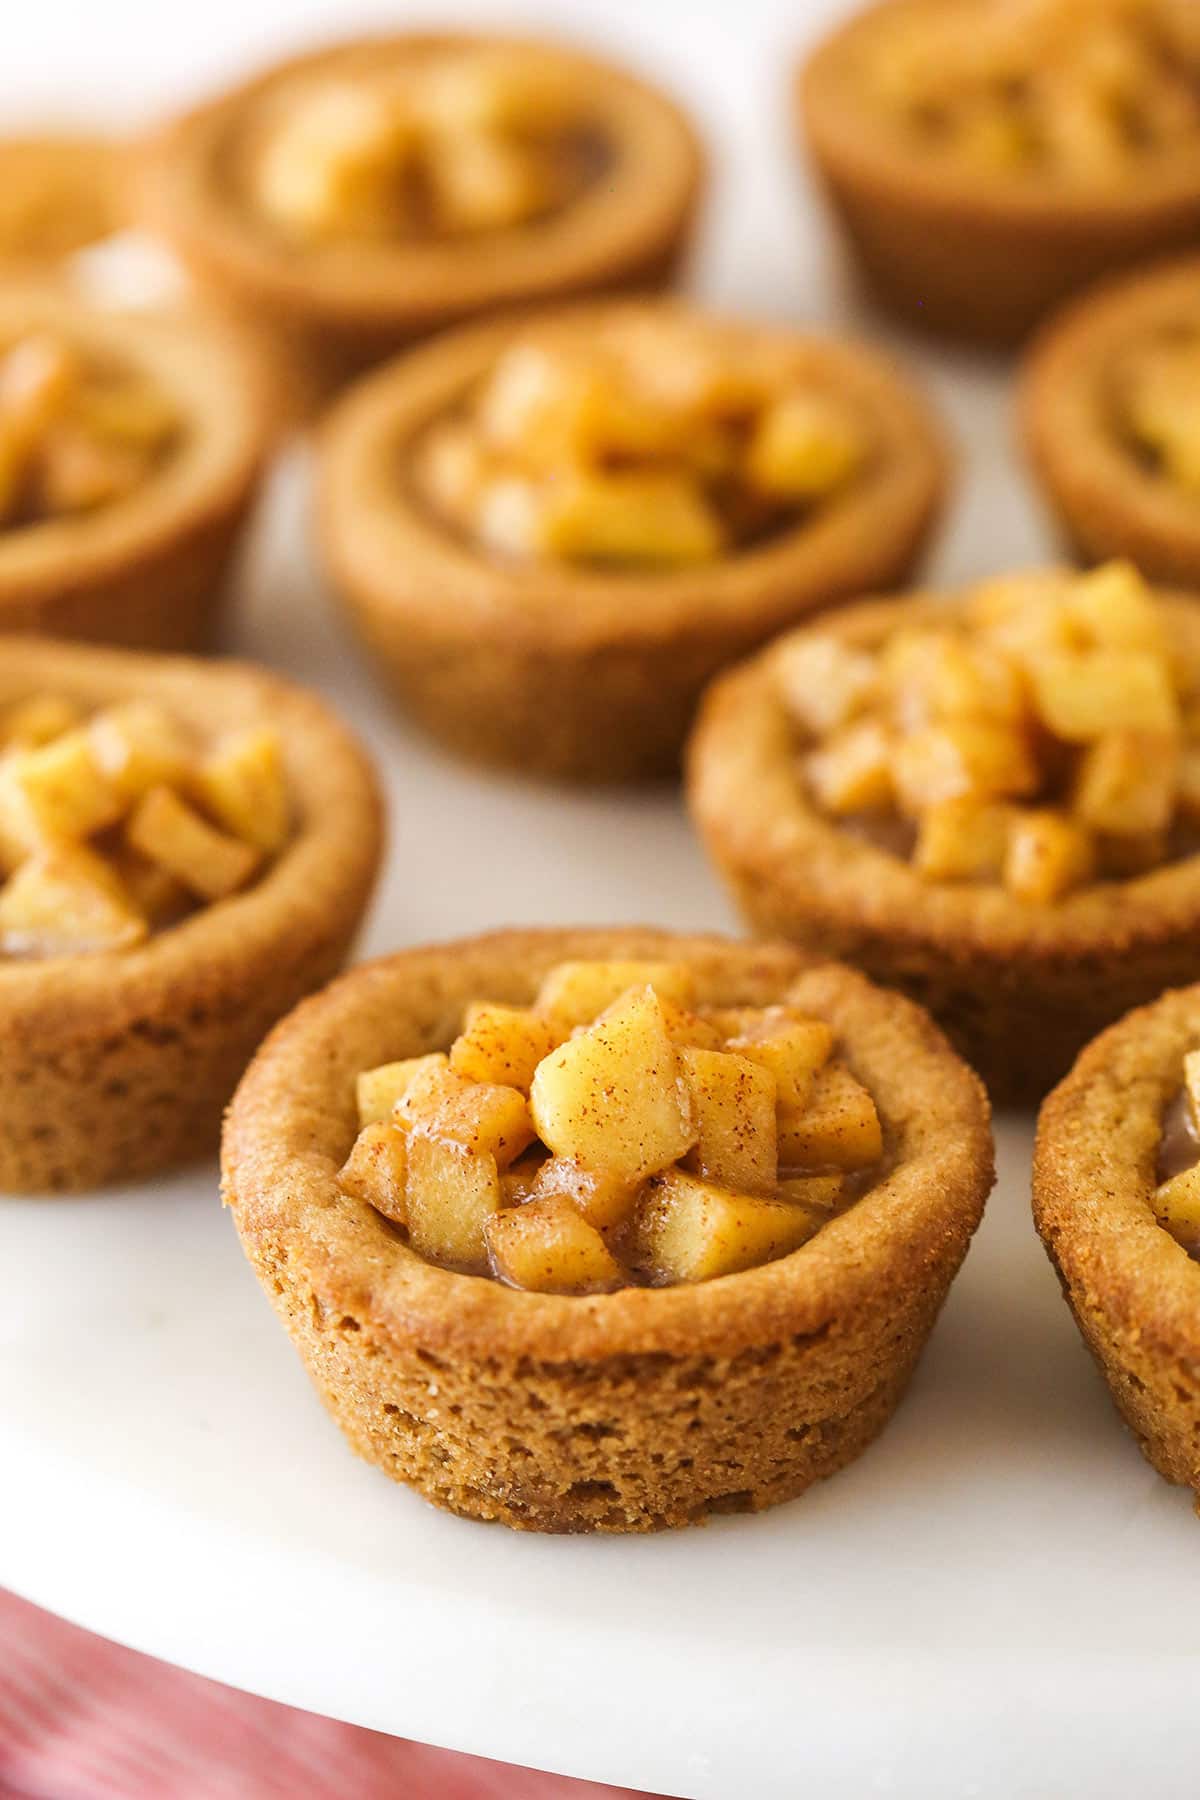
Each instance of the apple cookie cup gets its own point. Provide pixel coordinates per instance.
(351, 201)
(986, 866)
(580, 654)
(625, 1410)
(131, 446)
(973, 199)
(1109, 422)
(1121, 1222)
(119, 1061)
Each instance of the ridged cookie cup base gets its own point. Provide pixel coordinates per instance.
(170, 597)
(1134, 1292)
(117, 1065)
(622, 1412)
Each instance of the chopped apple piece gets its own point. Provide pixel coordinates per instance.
(158, 895)
(66, 901)
(138, 746)
(1126, 782)
(804, 446)
(688, 1229)
(242, 784)
(377, 1169)
(838, 1128)
(576, 993)
(1191, 1082)
(450, 1194)
(484, 1117)
(613, 1096)
(518, 1181)
(962, 840)
(1082, 696)
(1047, 856)
(548, 1247)
(852, 772)
(37, 721)
(823, 682)
(963, 757)
(502, 1044)
(55, 792)
(733, 1103)
(653, 518)
(481, 182)
(380, 1090)
(1177, 1204)
(792, 1048)
(1115, 610)
(169, 831)
(823, 1192)
(601, 1196)
(692, 1029)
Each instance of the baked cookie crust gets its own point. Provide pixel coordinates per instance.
(1134, 1291)
(1106, 500)
(972, 254)
(338, 316)
(147, 571)
(628, 1411)
(1019, 986)
(119, 1064)
(573, 672)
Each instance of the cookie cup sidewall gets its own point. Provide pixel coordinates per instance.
(1019, 988)
(119, 1065)
(514, 1405)
(979, 258)
(339, 314)
(1134, 1292)
(148, 571)
(1107, 502)
(574, 672)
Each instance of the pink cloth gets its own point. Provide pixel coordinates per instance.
(84, 1719)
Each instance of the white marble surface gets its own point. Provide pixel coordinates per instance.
(997, 1601)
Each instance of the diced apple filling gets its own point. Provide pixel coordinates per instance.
(74, 437)
(618, 1130)
(460, 142)
(1041, 735)
(111, 826)
(1067, 91)
(655, 444)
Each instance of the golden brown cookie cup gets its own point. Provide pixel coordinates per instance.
(620, 1412)
(573, 673)
(117, 1065)
(1134, 1292)
(1019, 987)
(148, 571)
(336, 315)
(976, 257)
(1106, 500)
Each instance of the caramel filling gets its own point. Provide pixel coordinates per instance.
(615, 1133)
(120, 824)
(76, 435)
(449, 145)
(1077, 90)
(658, 444)
(1177, 1199)
(1156, 404)
(1043, 734)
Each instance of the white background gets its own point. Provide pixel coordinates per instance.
(999, 1600)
